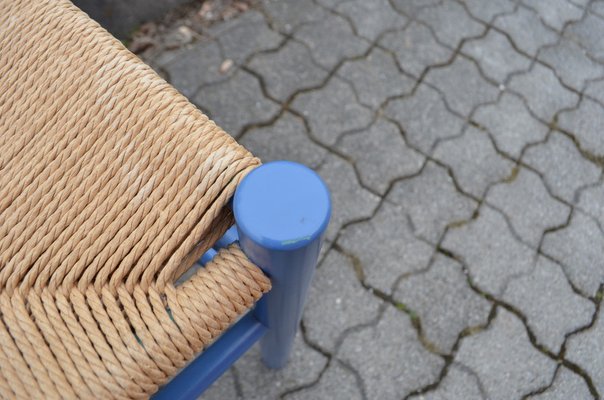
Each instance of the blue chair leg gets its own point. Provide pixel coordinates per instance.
(282, 210)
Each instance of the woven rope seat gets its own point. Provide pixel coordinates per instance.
(111, 187)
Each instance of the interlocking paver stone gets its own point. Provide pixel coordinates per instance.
(519, 369)
(223, 388)
(260, 382)
(371, 18)
(454, 308)
(236, 102)
(550, 306)
(375, 78)
(386, 247)
(336, 302)
(543, 92)
(288, 15)
(591, 201)
(579, 248)
(246, 35)
(416, 48)
(553, 159)
(332, 110)
(389, 357)
(491, 254)
(511, 134)
(425, 118)
(488, 10)
(462, 85)
(529, 207)
(585, 349)
(555, 13)
(566, 385)
(585, 123)
(286, 139)
(189, 68)
(589, 32)
(331, 40)
(474, 161)
(381, 155)
(336, 383)
(459, 383)
(496, 56)
(431, 201)
(350, 201)
(450, 22)
(526, 30)
(571, 63)
(288, 70)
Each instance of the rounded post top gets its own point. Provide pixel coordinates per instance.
(282, 205)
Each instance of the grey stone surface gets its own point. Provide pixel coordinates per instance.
(386, 247)
(550, 306)
(189, 68)
(381, 155)
(411, 8)
(579, 248)
(331, 40)
(241, 37)
(496, 56)
(375, 78)
(595, 90)
(571, 63)
(462, 85)
(597, 7)
(584, 349)
(336, 302)
(450, 23)
(511, 135)
(528, 205)
(350, 109)
(288, 15)
(555, 13)
(459, 383)
(336, 383)
(286, 139)
(431, 201)
(260, 382)
(392, 344)
(488, 10)
(475, 163)
(350, 201)
(344, 115)
(591, 200)
(552, 160)
(416, 48)
(372, 18)
(566, 385)
(455, 307)
(424, 118)
(288, 70)
(491, 254)
(544, 94)
(526, 30)
(223, 388)
(518, 361)
(588, 32)
(585, 123)
(236, 102)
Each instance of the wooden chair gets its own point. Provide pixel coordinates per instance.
(112, 187)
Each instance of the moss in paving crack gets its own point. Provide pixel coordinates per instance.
(513, 175)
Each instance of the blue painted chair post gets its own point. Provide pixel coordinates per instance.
(282, 210)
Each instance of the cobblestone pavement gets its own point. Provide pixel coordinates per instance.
(463, 142)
